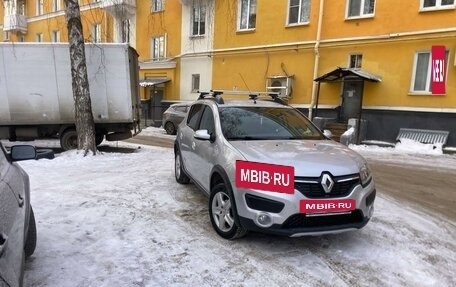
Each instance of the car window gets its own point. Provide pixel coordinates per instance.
(194, 116)
(266, 123)
(181, 109)
(207, 120)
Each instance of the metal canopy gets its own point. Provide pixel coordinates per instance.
(340, 73)
(150, 82)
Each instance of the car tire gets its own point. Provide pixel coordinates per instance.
(69, 139)
(223, 214)
(170, 128)
(30, 242)
(179, 172)
(99, 139)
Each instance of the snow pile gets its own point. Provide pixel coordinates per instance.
(157, 132)
(120, 219)
(405, 146)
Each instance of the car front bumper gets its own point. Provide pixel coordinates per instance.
(289, 221)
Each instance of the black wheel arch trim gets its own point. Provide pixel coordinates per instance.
(220, 171)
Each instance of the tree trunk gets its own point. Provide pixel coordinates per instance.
(85, 126)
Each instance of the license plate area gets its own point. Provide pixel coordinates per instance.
(319, 207)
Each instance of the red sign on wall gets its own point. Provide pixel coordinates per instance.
(262, 176)
(438, 70)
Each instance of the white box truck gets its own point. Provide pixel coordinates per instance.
(36, 96)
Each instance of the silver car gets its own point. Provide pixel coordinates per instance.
(17, 221)
(173, 116)
(331, 187)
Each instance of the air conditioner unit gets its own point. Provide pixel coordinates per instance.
(280, 84)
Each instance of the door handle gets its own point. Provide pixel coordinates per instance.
(3, 242)
(20, 200)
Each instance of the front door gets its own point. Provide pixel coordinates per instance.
(351, 98)
(156, 107)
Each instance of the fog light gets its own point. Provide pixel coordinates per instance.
(264, 219)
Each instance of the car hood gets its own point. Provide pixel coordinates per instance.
(308, 157)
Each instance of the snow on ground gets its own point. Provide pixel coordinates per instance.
(120, 219)
(156, 132)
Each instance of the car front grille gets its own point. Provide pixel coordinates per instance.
(301, 220)
(311, 186)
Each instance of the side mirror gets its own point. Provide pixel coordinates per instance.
(327, 133)
(22, 152)
(202, 135)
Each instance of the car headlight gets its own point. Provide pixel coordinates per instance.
(365, 175)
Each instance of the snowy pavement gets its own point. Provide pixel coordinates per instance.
(120, 219)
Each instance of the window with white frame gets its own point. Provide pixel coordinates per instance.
(247, 14)
(6, 36)
(96, 33)
(198, 19)
(56, 5)
(21, 39)
(421, 78)
(355, 61)
(195, 83)
(56, 36)
(39, 37)
(298, 11)
(360, 8)
(126, 31)
(39, 7)
(158, 48)
(158, 5)
(436, 4)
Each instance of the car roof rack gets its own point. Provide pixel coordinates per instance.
(253, 95)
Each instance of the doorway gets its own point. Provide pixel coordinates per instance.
(352, 93)
(156, 96)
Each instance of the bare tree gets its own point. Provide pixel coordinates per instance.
(85, 126)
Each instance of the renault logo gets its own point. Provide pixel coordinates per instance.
(327, 183)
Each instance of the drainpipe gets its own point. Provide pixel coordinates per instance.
(317, 59)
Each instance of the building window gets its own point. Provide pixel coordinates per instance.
(247, 14)
(195, 83)
(360, 8)
(39, 37)
(6, 36)
(158, 48)
(436, 4)
(199, 20)
(39, 7)
(421, 79)
(96, 33)
(56, 36)
(355, 61)
(126, 31)
(55, 5)
(158, 5)
(21, 39)
(298, 11)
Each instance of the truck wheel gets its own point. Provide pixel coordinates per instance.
(69, 140)
(30, 243)
(99, 139)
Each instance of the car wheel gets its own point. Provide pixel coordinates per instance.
(69, 139)
(30, 243)
(179, 172)
(170, 128)
(222, 213)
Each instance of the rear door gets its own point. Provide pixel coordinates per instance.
(12, 215)
(187, 140)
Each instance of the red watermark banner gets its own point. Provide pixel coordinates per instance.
(262, 176)
(438, 70)
(326, 206)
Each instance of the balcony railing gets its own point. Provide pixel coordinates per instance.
(15, 23)
(120, 8)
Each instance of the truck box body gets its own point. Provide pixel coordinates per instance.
(36, 96)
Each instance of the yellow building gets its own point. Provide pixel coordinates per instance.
(283, 45)
(385, 44)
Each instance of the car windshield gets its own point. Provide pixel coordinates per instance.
(266, 123)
